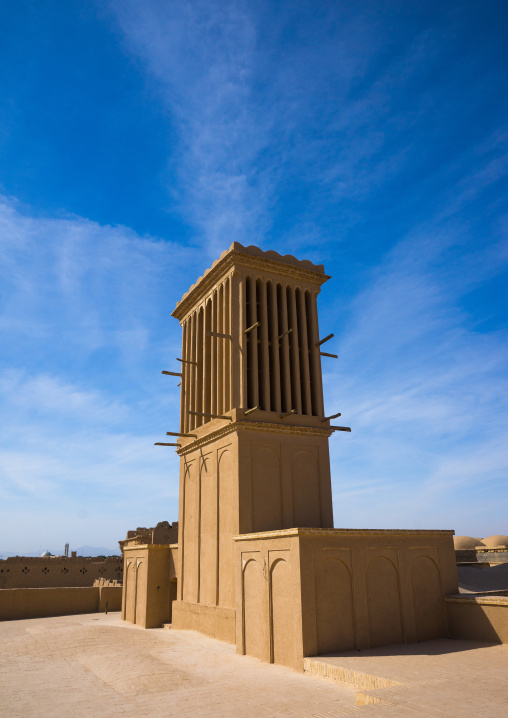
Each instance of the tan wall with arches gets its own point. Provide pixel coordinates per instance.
(306, 592)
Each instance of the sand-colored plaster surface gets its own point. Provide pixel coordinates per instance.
(79, 666)
(433, 678)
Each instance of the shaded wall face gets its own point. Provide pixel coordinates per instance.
(284, 481)
(29, 572)
(303, 594)
(334, 605)
(147, 591)
(209, 518)
(478, 618)
(426, 585)
(268, 611)
(245, 482)
(165, 533)
(383, 602)
(21, 603)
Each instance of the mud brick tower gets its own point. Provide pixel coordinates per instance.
(254, 439)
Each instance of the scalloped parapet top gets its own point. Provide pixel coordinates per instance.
(275, 257)
(269, 254)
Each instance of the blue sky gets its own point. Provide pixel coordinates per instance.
(139, 139)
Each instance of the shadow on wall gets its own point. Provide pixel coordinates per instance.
(490, 578)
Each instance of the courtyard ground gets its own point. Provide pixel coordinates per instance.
(97, 665)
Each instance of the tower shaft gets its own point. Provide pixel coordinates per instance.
(252, 400)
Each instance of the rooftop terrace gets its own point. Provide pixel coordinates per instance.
(80, 666)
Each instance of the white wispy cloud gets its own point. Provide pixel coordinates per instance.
(255, 113)
(84, 316)
(202, 58)
(94, 284)
(423, 388)
(43, 394)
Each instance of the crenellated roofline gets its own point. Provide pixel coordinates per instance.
(255, 258)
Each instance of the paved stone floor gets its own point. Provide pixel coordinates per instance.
(97, 665)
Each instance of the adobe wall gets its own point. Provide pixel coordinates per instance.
(307, 592)
(110, 598)
(258, 477)
(478, 618)
(21, 603)
(208, 520)
(253, 440)
(492, 557)
(164, 533)
(149, 587)
(57, 572)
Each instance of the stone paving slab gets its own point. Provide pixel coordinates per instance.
(79, 666)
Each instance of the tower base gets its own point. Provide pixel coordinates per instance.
(214, 621)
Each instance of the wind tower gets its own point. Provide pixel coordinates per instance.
(253, 438)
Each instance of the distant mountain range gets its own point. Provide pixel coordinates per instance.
(80, 550)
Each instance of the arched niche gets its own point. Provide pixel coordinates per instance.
(383, 597)
(227, 528)
(283, 619)
(255, 623)
(428, 599)
(306, 508)
(191, 533)
(208, 531)
(334, 607)
(266, 490)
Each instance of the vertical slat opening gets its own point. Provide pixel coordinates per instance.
(318, 382)
(294, 352)
(185, 379)
(283, 346)
(207, 368)
(272, 346)
(200, 368)
(249, 322)
(264, 343)
(303, 329)
(220, 343)
(311, 350)
(258, 334)
(214, 375)
(252, 344)
(191, 420)
(227, 348)
(299, 319)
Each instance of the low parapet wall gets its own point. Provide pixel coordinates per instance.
(478, 618)
(57, 571)
(21, 603)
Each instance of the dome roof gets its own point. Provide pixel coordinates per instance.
(46, 554)
(497, 540)
(466, 543)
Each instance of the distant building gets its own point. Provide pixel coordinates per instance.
(490, 551)
(163, 534)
